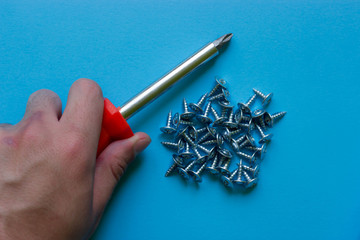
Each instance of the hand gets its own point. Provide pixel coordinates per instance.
(51, 184)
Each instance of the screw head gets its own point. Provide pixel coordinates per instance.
(212, 170)
(204, 119)
(266, 138)
(221, 82)
(176, 120)
(267, 99)
(178, 160)
(195, 175)
(224, 171)
(227, 182)
(168, 130)
(193, 133)
(196, 108)
(234, 145)
(183, 173)
(268, 119)
(245, 109)
(187, 116)
(251, 183)
(262, 151)
(224, 153)
(225, 103)
(240, 182)
(219, 121)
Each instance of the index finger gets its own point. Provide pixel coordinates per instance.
(84, 110)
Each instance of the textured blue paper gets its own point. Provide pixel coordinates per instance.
(306, 52)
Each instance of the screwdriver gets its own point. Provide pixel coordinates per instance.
(114, 126)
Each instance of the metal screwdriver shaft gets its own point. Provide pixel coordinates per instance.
(158, 87)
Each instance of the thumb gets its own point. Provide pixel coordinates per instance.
(111, 165)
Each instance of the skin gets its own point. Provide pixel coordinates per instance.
(52, 185)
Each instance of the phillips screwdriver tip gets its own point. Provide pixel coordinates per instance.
(222, 40)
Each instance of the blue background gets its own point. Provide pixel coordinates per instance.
(306, 52)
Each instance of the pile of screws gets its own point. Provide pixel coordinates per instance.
(205, 143)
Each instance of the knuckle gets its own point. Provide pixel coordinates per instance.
(120, 164)
(88, 86)
(75, 146)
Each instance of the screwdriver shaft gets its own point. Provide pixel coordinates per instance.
(158, 87)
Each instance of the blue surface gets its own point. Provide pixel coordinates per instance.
(306, 52)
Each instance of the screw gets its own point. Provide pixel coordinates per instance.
(193, 134)
(271, 118)
(235, 142)
(187, 115)
(227, 133)
(224, 161)
(248, 140)
(213, 167)
(260, 151)
(230, 122)
(196, 174)
(184, 171)
(186, 154)
(179, 145)
(266, 98)
(201, 158)
(245, 107)
(264, 137)
(250, 182)
(218, 120)
(221, 83)
(251, 158)
(168, 129)
(176, 120)
(177, 162)
(239, 180)
(183, 134)
(211, 133)
(254, 171)
(187, 123)
(203, 118)
(196, 107)
(258, 117)
(227, 181)
(211, 153)
(221, 96)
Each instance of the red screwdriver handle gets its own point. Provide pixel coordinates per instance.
(114, 126)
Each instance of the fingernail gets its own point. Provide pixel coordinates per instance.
(141, 144)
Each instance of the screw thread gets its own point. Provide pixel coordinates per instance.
(189, 166)
(260, 94)
(204, 137)
(260, 130)
(208, 106)
(187, 147)
(188, 139)
(171, 169)
(240, 170)
(233, 173)
(241, 154)
(214, 89)
(185, 106)
(262, 122)
(234, 132)
(244, 143)
(170, 144)
(220, 95)
(250, 101)
(188, 123)
(240, 139)
(227, 163)
(207, 151)
(202, 167)
(202, 100)
(253, 148)
(197, 152)
(278, 115)
(215, 113)
(247, 176)
(215, 162)
(231, 116)
(246, 118)
(210, 142)
(252, 170)
(168, 122)
(224, 112)
(201, 130)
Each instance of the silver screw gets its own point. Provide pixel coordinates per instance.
(228, 180)
(213, 167)
(224, 161)
(221, 83)
(218, 120)
(211, 133)
(184, 171)
(235, 142)
(239, 180)
(196, 107)
(203, 118)
(177, 162)
(179, 145)
(186, 154)
(249, 140)
(259, 150)
(187, 123)
(221, 96)
(258, 117)
(254, 171)
(264, 137)
(183, 134)
(266, 98)
(230, 122)
(168, 129)
(250, 182)
(187, 115)
(251, 158)
(245, 107)
(211, 153)
(227, 134)
(196, 174)
(271, 118)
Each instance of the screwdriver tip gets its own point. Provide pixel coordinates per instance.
(222, 40)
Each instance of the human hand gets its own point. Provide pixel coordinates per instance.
(52, 186)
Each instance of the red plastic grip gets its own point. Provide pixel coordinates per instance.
(114, 126)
